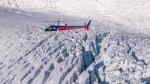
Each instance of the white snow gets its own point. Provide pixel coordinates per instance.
(107, 54)
(134, 14)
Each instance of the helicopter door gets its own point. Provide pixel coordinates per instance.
(53, 29)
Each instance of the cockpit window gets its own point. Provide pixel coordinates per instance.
(51, 28)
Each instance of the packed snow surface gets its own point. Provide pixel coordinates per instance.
(102, 55)
(133, 13)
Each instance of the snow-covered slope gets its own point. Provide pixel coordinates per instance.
(133, 13)
(28, 55)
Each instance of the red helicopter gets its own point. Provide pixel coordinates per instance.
(66, 27)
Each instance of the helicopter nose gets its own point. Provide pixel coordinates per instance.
(46, 29)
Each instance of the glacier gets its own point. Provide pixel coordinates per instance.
(109, 53)
(134, 14)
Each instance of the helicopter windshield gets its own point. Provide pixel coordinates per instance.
(51, 28)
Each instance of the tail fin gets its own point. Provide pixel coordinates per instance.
(89, 23)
